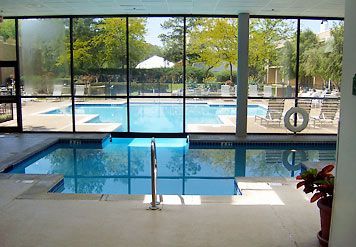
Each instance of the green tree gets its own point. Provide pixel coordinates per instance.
(333, 63)
(267, 39)
(7, 29)
(213, 42)
(173, 39)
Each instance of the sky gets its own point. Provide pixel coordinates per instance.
(154, 28)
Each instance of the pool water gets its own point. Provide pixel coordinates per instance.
(157, 117)
(123, 166)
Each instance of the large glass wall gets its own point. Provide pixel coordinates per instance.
(320, 71)
(172, 74)
(274, 64)
(211, 69)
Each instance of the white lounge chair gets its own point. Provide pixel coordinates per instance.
(57, 92)
(274, 112)
(225, 90)
(267, 91)
(79, 91)
(329, 108)
(252, 91)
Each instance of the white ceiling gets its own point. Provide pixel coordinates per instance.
(324, 8)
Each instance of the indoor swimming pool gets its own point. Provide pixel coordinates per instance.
(122, 165)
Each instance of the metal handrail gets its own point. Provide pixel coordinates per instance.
(154, 203)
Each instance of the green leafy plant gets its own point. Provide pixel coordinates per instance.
(320, 182)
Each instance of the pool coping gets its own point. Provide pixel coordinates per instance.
(42, 184)
(12, 161)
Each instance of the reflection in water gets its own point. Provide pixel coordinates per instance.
(123, 166)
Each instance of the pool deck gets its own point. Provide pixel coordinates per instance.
(35, 120)
(270, 212)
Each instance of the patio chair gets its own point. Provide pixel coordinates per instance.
(225, 90)
(79, 91)
(267, 91)
(305, 104)
(329, 108)
(57, 92)
(252, 91)
(274, 112)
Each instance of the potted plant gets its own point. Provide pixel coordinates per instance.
(321, 183)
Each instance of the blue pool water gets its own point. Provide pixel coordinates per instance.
(123, 165)
(157, 117)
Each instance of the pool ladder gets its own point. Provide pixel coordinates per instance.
(154, 203)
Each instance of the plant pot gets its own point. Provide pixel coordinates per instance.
(325, 219)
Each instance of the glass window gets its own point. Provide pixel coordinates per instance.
(47, 114)
(8, 114)
(44, 56)
(156, 55)
(211, 56)
(99, 56)
(156, 115)
(272, 60)
(320, 72)
(210, 115)
(7, 40)
(100, 115)
(7, 79)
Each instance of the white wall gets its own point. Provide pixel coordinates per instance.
(343, 227)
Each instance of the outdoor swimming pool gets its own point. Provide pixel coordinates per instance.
(123, 165)
(156, 117)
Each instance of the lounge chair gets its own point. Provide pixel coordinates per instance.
(225, 90)
(57, 92)
(305, 104)
(252, 91)
(267, 91)
(274, 112)
(79, 91)
(328, 110)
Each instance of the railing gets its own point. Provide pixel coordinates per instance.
(154, 203)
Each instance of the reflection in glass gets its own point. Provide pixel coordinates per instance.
(44, 56)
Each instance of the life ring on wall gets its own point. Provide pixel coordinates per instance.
(297, 128)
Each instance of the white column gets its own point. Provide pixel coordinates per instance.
(344, 206)
(242, 74)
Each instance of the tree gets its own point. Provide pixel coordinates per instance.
(267, 39)
(101, 43)
(7, 29)
(334, 59)
(213, 42)
(173, 39)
